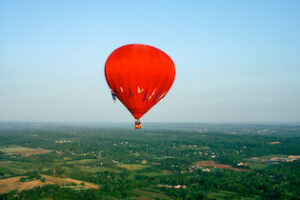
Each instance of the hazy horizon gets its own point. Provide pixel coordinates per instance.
(236, 61)
(152, 122)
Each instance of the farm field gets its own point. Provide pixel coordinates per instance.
(9, 184)
(210, 163)
(154, 174)
(23, 151)
(133, 166)
(152, 194)
(227, 195)
(258, 166)
(100, 169)
(83, 161)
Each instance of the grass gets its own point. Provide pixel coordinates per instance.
(211, 163)
(275, 155)
(226, 195)
(100, 169)
(13, 183)
(76, 187)
(164, 157)
(149, 194)
(24, 151)
(153, 174)
(15, 149)
(14, 168)
(64, 181)
(258, 166)
(83, 161)
(17, 165)
(132, 167)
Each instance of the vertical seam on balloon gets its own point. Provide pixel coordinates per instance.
(120, 69)
(136, 74)
(138, 85)
(111, 79)
(147, 81)
(159, 78)
(161, 82)
(130, 101)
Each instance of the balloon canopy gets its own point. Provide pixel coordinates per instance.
(139, 76)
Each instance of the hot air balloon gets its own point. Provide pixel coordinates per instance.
(139, 76)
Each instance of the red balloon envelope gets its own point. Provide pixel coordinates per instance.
(140, 76)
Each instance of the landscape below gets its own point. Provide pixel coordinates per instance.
(206, 161)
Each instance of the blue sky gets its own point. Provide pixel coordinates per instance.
(236, 61)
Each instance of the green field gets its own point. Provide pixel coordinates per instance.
(153, 174)
(150, 194)
(164, 157)
(133, 167)
(275, 155)
(258, 166)
(15, 165)
(100, 169)
(220, 195)
(23, 151)
(11, 168)
(12, 149)
(83, 161)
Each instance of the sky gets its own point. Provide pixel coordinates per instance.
(236, 61)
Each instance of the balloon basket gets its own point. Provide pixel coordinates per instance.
(138, 126)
